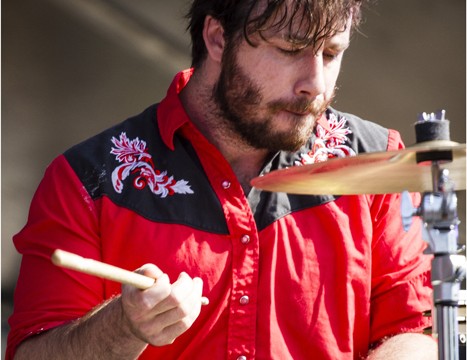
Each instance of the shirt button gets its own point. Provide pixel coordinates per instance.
(226, 184)
(241, 357)
(245, 239)
(244, 300)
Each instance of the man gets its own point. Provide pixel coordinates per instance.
(287, 276)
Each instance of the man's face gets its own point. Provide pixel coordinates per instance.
(271, 95)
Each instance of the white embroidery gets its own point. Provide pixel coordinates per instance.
(135, 160)
(328, 143)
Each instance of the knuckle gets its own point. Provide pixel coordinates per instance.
(183, 310)
(185, 324)
(165, 291)
(159, 341)
(176, 298)
(165, 337)
(145, 304)
(150, 270)
(168, 335)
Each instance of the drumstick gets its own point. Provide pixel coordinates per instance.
(106, 271)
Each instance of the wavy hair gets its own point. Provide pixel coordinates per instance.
(316, 20)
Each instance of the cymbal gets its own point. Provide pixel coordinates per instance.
(369, 173)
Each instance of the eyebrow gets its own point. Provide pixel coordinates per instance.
(337, 46)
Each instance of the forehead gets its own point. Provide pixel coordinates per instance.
(302, 35)
(299, 22)
(338, 39)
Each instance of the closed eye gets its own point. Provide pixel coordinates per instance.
(330, 56)
(291, 51)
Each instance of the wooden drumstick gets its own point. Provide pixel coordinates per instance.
(93, 267)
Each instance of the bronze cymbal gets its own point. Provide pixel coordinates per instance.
(369, 173)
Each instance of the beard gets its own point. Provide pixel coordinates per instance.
(238, 100)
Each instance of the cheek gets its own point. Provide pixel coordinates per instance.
(264, 66)
(331, 75)
(263, 72)
(267, 79)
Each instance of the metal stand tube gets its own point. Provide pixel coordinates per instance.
(446, 323)
(439, 213)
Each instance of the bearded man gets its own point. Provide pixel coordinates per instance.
(287, 276)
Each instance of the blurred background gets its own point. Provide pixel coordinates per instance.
(73, 68)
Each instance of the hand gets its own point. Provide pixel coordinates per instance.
(163, 312)
(406, 346)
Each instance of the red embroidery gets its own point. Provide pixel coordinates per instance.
(135, 160)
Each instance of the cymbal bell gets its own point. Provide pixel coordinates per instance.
(369, 173)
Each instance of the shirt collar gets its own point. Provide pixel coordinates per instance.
(171, 115)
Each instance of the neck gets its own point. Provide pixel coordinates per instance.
(198, 102)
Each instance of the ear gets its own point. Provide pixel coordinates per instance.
(213, 35)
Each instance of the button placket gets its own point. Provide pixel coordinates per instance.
(241, 339)
(243, 314)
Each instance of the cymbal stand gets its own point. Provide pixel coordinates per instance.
(439, 213)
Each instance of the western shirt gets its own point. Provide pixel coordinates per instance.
(287, 276)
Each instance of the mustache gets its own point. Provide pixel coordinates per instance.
(300, 106)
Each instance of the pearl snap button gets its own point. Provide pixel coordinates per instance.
(245, 239)
(244, 300)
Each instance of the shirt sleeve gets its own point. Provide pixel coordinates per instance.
(401, 288)
(62, 216)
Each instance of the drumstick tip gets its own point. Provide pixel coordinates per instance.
(204, 301)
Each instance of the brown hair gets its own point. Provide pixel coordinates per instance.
(320, 18)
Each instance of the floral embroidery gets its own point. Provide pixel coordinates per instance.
(135, 160)
(328, 143)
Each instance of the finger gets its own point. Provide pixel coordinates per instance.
(180, 290)
(140, 304)
(140, 307)
(187, 288)
(179, 319)
(150, 270)
(177, 308)
(171, 332)
(189, 303)
(198, 290)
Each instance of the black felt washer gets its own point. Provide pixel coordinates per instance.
(430, 130)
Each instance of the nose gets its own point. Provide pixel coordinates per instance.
(311, 82)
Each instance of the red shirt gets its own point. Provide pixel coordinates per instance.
(287, 276)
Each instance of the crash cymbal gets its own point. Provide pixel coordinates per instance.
(370, 173)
